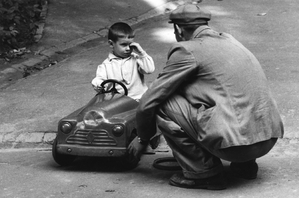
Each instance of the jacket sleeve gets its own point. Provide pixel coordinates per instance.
(180, 65)
(101, 75)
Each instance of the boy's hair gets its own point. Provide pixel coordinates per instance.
(120, 30)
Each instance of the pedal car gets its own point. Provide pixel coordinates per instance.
(102, 128)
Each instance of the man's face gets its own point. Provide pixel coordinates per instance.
(121, 48)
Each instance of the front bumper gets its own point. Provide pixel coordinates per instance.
(91, 151)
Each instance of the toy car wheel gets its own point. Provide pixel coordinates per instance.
(127, 163)
(61, 159)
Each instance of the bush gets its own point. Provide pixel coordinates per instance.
(18, 22)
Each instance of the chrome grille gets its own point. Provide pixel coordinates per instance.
(91, 138)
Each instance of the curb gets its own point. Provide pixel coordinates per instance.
(27, 140)
(18, 71)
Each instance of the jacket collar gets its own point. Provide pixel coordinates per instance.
(199, 31)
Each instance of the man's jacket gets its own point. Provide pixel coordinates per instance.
(219, 76)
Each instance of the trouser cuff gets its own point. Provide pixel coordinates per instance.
(204, 174)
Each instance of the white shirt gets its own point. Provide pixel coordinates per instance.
(129, 71)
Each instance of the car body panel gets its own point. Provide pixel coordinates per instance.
(101, 128)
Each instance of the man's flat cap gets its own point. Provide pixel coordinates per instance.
(189, 14)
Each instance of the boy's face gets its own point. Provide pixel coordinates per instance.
(121, 48)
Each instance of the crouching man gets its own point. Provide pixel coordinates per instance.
(211, 102)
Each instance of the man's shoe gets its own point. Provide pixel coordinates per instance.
(216, 182)
(245, 170)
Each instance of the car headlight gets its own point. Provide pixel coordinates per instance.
(93, 118)
(117, 130)
(66, 127)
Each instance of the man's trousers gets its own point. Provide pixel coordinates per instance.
(174, 119)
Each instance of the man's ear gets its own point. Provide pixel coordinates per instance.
(179, 33)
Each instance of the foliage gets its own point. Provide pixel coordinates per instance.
(18, 22)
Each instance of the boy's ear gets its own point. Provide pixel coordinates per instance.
(110, 42)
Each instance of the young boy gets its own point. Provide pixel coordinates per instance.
(127, 62)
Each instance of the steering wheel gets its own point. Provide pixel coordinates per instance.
(113, 89)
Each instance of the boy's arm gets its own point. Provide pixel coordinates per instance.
(101, 75)
(145, 62)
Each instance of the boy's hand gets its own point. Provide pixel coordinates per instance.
(99, 89)
(136, 48)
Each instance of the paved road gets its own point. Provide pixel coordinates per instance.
(33, 173)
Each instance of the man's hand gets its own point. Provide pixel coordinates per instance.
(136, 149)
(137, 48)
